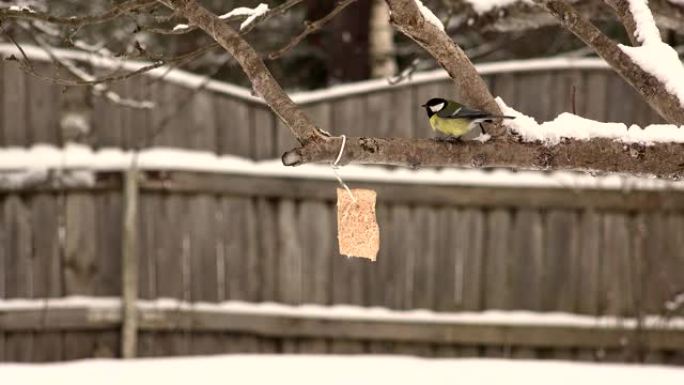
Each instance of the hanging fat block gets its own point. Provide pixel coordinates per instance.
(358, 233)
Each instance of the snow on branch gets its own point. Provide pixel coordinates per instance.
(654, 56)
(570, 126)
(654, 89)
(429, 15)
(251, 13)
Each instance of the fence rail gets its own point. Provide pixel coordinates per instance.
(509, 330)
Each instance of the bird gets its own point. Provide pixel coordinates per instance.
(454, 119)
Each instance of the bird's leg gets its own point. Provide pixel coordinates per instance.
(448, 139)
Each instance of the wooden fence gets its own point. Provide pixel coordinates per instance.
(215, 238)
(211, 237)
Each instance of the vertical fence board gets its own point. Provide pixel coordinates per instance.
(405, 109)
(203, 252)
(383, 282)
(109, 210)
(498, 261)
(169, 266)
(316, 238)
(80, 247)
(616, 279)
(42, 112)
(448, 273)
(424, 284)
(47, 279)
(290, 250)
(267, 248)
(264, 126)
(559, 262)
(470, 258)
(380, 114)
(528, 260)
(348, 117)
(14, 117)
(18, 271)
(596, 96)
(233, 126)
(560, 267)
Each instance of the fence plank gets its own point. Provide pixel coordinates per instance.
(18, 271)
(426, 243)
(129, 265)
(235, 244)
(15, 117)
(348, 117)
(267, 247)
(47, 269)
(528, 255)
(233, 127)
(290, 249)
(317, 241)
(264, 139)
(42, 113)
(616, 277)
(383, 282)
(109, 209)
(203, 251)
(80, 245)
(380, 114)
(172, 281)
(497, 293)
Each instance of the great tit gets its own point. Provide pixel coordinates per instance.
(454, 119)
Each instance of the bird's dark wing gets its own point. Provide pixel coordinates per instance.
(463, 113)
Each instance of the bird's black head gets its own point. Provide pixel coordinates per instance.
(434, 105)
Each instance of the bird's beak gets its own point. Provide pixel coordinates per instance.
(423, 105)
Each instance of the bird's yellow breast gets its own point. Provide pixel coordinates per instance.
(453, 127)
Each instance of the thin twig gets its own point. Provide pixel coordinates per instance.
(74, 21)
(311, 27)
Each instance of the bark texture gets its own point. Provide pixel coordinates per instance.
(648, 86)
(597, 155)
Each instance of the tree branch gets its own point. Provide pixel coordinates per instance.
(406, 17)
(648, 86)
(621, 9)
(597, 155)
(261, 78)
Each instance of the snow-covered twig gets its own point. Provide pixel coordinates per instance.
(251, 13)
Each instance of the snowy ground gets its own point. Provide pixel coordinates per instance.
(331, 370)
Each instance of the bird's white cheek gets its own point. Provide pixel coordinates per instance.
(437, 107)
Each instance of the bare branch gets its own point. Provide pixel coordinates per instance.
(101, 90)
(261, 78)
(621, 8)
(648, 86)
(111, 14)
(311, 27)
(597, 155)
